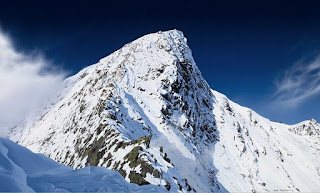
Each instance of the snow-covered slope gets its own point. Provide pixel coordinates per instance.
(146, 111)
(256, 154)
(24, 171)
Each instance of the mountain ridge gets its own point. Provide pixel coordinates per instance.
(145, 109)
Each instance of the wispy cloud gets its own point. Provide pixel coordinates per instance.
(26, 80)
(299, 82)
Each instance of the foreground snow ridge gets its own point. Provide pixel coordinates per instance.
(24, 171)
(146, 112)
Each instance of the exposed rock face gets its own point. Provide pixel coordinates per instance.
(308, 128)
(146, 111)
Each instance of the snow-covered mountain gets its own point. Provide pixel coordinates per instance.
(24, 171)
(147, 112)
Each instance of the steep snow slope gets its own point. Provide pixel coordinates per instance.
(24, 171)
(146, 111)
(256, 154)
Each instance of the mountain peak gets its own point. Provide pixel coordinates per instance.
(120, 111)
(306, 128)
(161, 64)
(172, 41)
(145, 110)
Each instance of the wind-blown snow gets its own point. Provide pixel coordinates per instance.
(26, 82)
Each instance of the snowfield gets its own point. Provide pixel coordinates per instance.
(146, 112)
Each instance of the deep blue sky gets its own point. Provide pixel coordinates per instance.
(240, 47)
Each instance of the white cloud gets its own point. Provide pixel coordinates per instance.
(299, 82)
(26, 81)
